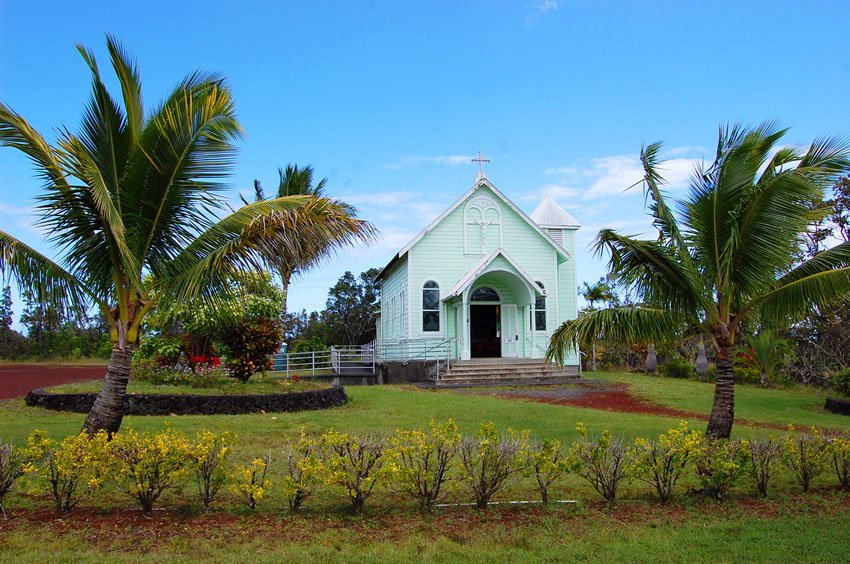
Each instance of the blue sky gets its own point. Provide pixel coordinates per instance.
(389, 100)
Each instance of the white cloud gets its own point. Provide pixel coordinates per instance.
(450, 160)
(612, 175)
(547, 5)
(554, 191)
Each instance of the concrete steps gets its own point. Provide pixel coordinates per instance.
(504, 372)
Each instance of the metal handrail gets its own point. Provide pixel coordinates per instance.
(445, 344)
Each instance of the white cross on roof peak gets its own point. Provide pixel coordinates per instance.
(481, 159)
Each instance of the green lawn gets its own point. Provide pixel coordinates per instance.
(788, 526)
(802, 406)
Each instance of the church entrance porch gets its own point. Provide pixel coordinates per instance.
(485, 331)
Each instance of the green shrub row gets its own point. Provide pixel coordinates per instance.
(421, 464)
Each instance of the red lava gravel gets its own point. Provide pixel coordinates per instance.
(612, 397)
(16, 380)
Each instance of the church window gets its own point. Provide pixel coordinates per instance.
(484, 294)
(540, 311)
(430, 306)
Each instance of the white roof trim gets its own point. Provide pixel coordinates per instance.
(559, 249)
(550, 214)
(478, 269)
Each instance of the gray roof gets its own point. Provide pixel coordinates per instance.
(550, 214)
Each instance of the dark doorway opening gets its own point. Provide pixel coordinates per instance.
(484, 326)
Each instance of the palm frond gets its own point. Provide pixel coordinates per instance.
(295, 230)
(15, 132)
(820, 282)
(654, 270)
(47, 281)
(131, 87)
(185, 149)
(622, 324)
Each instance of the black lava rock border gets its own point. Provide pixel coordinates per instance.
(187, 404)
(839, 406)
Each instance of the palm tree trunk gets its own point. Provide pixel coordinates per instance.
(593, 356)
(723, 410)
(108, 409)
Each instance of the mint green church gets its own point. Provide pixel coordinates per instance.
(483, 280)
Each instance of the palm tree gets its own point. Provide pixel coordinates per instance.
(135, 195)
(726, 256)
(295, 181)
(598, 292)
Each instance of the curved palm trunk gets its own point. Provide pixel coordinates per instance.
(723, 410)
(108, 409)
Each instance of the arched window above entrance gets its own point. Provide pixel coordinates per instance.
(430, 306)
(484, 294)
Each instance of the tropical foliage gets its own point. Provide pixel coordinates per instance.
(726, 258)
(136, 193)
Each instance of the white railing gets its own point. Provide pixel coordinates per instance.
(336, 360)
(407, 350)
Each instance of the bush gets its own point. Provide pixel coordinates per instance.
(420, 461)
(203, 376)
(764, 459)
(251, 342)
(548, 464)
(12, 466)
(489, 460)
(303, 470)
(250, 480)
(72, 468)
(838, 452)
(840, 382)
(805, 455)
(209, 458)
(662, 462)
(162, 350)
(144, 466)
(678, 367)
(308, 345)
(720, 464)
(354, 463)
(746, 375)
(601, 461)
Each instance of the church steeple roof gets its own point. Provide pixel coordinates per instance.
(550, 214)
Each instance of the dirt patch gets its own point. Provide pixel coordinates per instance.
(16, 380)
(609, 397)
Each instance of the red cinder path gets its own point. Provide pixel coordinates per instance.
(18, 379)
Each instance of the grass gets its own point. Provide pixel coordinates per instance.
(63, 361)
(801, 406)
(788, 526)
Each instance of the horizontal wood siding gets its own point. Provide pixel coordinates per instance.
(439, 256)
(394, 302)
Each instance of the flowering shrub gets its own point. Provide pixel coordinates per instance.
(805, 455)
(209, 455)
(199, 376)
(355, 463)
(420, 461)
(838, 451)
(488, 461)
(251, 481)
(548, 463)
(12, 467)
(660, 463)
(764, 459)
(602, 461)
(71, 468)
(720, 464)
(304, 469)
(252, 342)
(144, 466)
